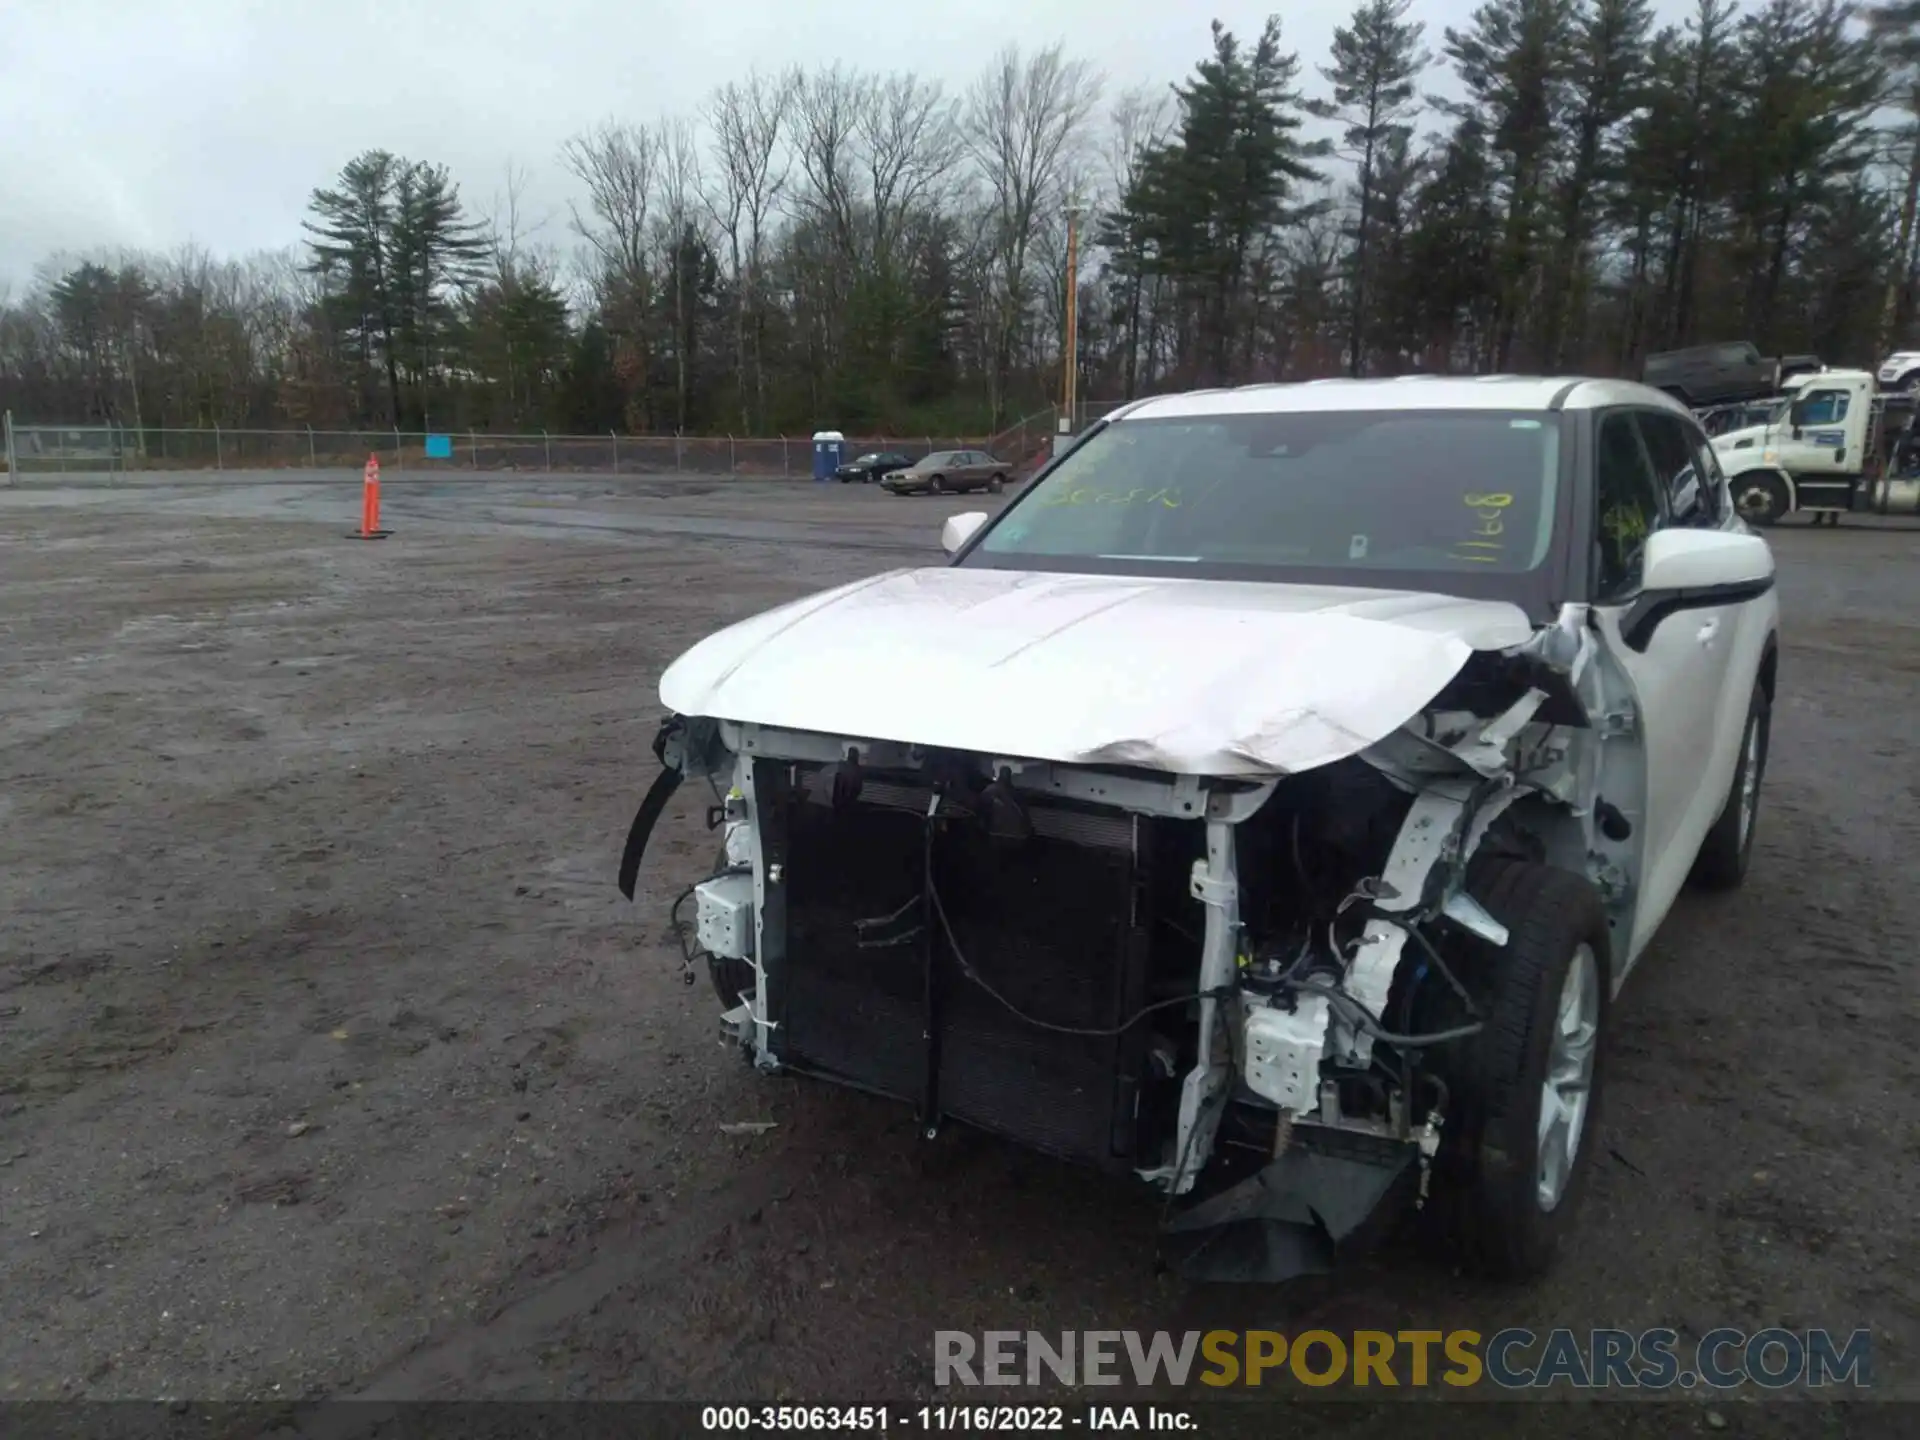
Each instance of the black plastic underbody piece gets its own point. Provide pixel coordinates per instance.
(1286, 1219)
(651, 808)
(683, 747)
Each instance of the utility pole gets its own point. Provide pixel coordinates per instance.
(1070, 351)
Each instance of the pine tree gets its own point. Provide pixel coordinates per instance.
(352, 246)
(1377, 60)
(1805, 123)
(1392, 328)
(1513, 62)
(1679, 150)
(436, 252)
(1211, 197)
(391, 244)
(1606, 75)
(1452, 294)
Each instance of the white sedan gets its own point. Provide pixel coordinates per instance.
(1267, 802)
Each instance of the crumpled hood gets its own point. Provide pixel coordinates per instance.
(1200, 677)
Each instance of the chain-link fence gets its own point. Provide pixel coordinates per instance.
(1028, 441)
(115, 449)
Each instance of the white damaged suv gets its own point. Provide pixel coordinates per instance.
(1267, 802)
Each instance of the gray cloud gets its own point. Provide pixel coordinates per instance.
(210, 121)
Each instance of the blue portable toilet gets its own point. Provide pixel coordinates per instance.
(827, 445)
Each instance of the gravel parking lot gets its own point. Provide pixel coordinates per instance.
(332, 1063)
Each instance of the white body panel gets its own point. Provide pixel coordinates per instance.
(1198, 677)
(1692, 685)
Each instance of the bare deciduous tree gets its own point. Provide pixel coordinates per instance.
(828, 108)
(749, 121)
(909, 140)
(508, 228)
(619, 166)
(680, 240)
(1025, 120)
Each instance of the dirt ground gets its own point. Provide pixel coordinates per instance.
(332, 1063)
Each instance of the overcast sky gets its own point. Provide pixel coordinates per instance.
(211, 121)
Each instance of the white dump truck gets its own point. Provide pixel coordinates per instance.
(1836, 446)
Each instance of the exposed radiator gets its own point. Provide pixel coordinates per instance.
(1054, 923)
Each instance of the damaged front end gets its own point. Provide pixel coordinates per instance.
(1258, 993)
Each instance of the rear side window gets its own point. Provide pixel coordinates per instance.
(1676, 467)
(1736, 355)
(1628, 502)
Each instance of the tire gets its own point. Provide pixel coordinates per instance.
(936, 486)
(997, 484)
(1495, 1194)
(1761, 497)
(1728, 849)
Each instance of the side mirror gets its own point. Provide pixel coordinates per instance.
(1704, 560)
(960, 528)
(1694, 570)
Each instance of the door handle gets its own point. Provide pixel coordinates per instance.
(1708, 631)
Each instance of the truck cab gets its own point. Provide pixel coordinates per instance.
(1813, 455)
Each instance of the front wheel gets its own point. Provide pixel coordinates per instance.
(1728, 849)
(1524, 1093)
(936, 486)
(1761, 497)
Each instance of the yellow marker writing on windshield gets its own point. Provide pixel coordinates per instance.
(1488, 513)
(1087, 495)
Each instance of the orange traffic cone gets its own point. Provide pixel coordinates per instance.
(370, 504)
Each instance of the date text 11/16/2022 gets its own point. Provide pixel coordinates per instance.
(881, 1419)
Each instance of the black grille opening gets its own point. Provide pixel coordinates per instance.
(1060, 924)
